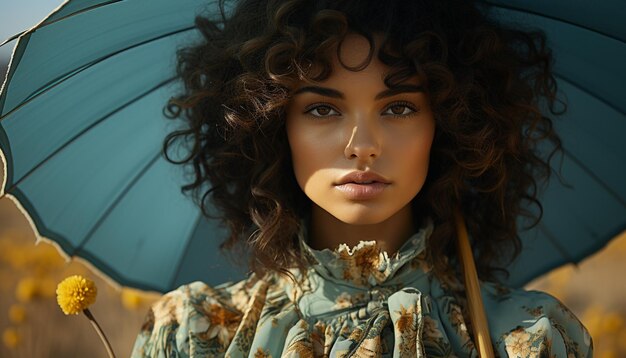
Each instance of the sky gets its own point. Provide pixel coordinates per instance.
(19, 15)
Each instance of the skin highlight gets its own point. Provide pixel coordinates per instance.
(349, 122)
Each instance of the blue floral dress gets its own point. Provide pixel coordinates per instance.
(355, 302)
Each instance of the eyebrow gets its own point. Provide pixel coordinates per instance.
(329, 92)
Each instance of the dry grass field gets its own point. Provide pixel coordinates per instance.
(31, 322)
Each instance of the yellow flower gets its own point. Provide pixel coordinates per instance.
(592, 317)
(76, 293)
(10, 337)
(131, 299)
(612, 323)
(17, 313)
(26, 289)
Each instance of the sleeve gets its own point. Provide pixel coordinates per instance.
(194, 320)
(570, 337)
(542, 326)
(163, 332)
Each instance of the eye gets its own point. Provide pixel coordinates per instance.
(400, 109)
(321, 110)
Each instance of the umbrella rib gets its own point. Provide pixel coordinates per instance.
(178, 266)
(584, 89)
(117, 200)
(68, 75)
(41, 25)
(19, 34)
(551, 17)
(590, 172)
(140, 96)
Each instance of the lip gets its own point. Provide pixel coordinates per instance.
(361, 177)
(360, 185)
(356, 191)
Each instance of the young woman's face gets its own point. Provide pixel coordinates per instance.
(353, 123)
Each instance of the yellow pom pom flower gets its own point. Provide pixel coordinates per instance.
(75, 294)
(17, 313)
(27, 289)
(11, 338)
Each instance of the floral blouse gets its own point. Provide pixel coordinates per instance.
(355, 302)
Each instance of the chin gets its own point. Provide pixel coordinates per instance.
(359, 214)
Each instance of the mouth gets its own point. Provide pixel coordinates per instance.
(362, 190)
(364, 182)
(363, 178)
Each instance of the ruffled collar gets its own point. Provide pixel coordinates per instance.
(366, 265)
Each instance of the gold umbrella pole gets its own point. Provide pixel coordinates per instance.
(474, 299)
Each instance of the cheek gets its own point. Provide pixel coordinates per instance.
(420, 162)
(307, 153)
(415, 155)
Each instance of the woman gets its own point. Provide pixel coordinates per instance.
(339, 138)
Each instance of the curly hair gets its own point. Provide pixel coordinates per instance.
(485, 81)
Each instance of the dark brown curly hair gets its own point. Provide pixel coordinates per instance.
(485, 81)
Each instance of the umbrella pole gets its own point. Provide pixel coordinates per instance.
(474, 299)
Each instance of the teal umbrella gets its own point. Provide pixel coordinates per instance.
(81, 132)
(587, 209)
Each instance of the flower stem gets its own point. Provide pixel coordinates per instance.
(100, 332)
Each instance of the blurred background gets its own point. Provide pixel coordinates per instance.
(32, 324)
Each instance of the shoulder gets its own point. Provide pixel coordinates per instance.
(528, 323)
(194, 319)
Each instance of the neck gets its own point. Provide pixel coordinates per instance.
(328, 232)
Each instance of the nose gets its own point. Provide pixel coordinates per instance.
(364, 142)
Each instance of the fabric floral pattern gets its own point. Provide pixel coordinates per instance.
(355, 302)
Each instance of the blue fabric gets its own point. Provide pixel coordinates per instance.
(356, 301)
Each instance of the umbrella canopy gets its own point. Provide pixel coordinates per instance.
(81, 134)
(589, 208)
(81, 130)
